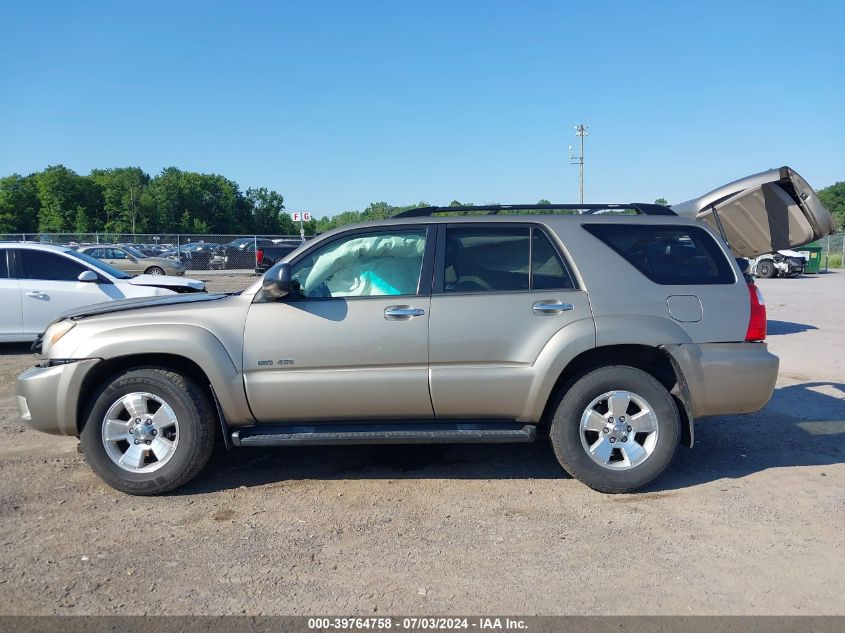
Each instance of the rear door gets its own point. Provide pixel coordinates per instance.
(770, 211)
(501, 292)
(10, 300)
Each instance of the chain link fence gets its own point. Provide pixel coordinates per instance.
(833, 251)
(196, 252)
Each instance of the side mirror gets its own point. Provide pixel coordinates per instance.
(88, 277)
(276, 282)
(134, 260)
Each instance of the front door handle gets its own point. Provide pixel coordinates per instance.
(551, 307)
(402, 313)
(36, 294)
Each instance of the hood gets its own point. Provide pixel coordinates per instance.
(121, 305)
(168, 281)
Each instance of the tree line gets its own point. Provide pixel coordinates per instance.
(128, 200)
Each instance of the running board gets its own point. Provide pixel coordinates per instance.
(400, 432)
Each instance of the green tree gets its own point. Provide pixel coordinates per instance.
(19, 205)
(662, 201)
(62, 193)
(122, 190)
(833, 198)
(544, 201)
(268, 212)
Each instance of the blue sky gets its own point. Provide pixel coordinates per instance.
(337, 104)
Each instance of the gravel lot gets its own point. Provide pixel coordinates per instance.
(748, 522)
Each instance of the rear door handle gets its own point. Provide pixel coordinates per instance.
(551, 307)
(402, 313)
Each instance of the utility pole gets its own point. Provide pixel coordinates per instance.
(580, 130)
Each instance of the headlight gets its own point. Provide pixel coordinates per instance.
(54, 333)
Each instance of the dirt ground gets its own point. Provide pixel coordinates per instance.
(750, 521)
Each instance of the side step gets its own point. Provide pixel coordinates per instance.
(400, 432)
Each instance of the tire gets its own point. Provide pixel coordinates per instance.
(154, 270)
(181, 423)
(765, 269)
(633, 461)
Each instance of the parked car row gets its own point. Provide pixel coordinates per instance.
(39, 282)
(243, 253)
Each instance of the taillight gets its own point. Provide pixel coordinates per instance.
(757, 322)
(259, 256)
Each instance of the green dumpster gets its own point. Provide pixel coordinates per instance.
(813, 254)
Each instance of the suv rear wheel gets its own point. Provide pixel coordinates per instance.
(148, 431)
(615, 429)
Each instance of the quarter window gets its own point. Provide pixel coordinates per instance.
(668, 255)
(363, 265)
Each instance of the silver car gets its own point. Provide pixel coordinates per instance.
(610, 330)
(129, 259)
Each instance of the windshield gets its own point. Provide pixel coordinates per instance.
(99, 265)
(133, 251)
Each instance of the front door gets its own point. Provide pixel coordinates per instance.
(49, 287)
(351, 342)
(502, 291)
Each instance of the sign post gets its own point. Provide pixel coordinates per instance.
(301, 217)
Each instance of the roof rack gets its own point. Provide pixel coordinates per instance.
(493, 209)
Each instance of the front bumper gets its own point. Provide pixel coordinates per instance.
(723, 378)
(48, 397)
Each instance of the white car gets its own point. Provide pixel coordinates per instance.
(38, 282)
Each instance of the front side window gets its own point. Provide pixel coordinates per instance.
(48, 266)
(363, 265)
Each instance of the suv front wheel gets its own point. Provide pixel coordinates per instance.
(148, 431)
(615, 429)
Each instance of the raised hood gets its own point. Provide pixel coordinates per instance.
(763, 213)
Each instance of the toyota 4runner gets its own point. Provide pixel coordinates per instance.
(609, 329)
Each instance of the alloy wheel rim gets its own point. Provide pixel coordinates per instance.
(619, 430)
(140, 432)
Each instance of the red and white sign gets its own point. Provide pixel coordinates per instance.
(305, 216)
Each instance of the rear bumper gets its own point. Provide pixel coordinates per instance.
(47, 397)
(724, 378)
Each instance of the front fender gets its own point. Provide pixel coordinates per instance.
(188, 341)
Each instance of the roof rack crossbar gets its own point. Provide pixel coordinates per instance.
(494, 209)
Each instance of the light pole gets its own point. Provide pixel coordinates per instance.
(580, 130)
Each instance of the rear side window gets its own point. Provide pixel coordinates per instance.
(48, 266)
(4, 267)
(668, 255)
(501, 259)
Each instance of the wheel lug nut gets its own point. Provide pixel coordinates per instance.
(621, 418)
(137, 420)
(605, 430)
(612, 440)
(624, 438)
(154, 432)
(137, 441)
(150, 441)
(610, 419)
(629, 429)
